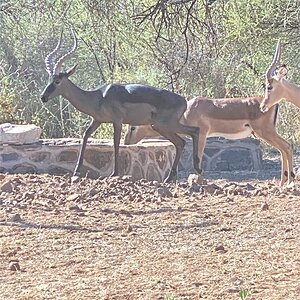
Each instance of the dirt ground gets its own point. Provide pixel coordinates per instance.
(71, 238)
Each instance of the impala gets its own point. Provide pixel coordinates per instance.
(134, 104)
(236, 118)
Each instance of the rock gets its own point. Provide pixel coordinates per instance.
(15, 218)
(75, 179)
(211, 188)
(6, 187)
(29, 195)
(282, 195)
(239, 191)
(219, 192)
(51, 197)
(46, 203)
(75, 208)
(112, 185)
(231, 190)
(195, 178)
(129, 229)
(225, 229)
(182, 184)
(195, 188)
(264, 206)
(296, 192)
(163, 192)
(127, 178)
(63, 185)
(250, 187)
(73, 197)
(14, 265)
(93, 191)
(258, 193)
(228, 199)
(220, 248)
(19, 134)
(142, 180)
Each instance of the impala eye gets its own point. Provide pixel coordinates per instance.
(57, 81)
(132, 128)
(269, 87)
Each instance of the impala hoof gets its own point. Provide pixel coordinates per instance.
(172, 176)
(76, 173)
(169, 179)
(114, 174)
(199, 171)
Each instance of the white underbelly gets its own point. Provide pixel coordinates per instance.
(233, 136)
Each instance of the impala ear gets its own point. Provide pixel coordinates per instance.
(281, 72)
(71, 71)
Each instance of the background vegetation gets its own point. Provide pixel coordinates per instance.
(218, 48)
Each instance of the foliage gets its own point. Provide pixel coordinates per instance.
(170, 297)
(244, 294)
(7, 109)
(216, 48)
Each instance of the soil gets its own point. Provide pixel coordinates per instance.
(114, 238)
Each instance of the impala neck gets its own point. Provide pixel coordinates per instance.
(292, 92)
(83, 100)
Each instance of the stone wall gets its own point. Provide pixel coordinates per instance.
(222, 155)
(57, 157)
(226, 155)
(150, 159)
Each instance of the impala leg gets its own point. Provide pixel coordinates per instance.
(194, 132)
(117, 137)
(285, 149)
(289, 173)
(93, 126)
(179, 145)
(201, 145)
(290, 163)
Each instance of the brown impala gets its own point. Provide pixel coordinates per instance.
(236, 118)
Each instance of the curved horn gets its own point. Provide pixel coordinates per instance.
(59, 63)
(275, 60)
(48, 59)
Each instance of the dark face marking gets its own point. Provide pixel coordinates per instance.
(49, 91)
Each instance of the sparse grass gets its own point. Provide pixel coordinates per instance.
(170, 297)
(244, 294)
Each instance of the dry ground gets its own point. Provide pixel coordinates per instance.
(117, 239)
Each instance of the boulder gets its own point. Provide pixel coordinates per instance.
(19, 134)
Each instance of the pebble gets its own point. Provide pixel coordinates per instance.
(220, 248)
(6, 187)
(14, 265)
(163, 192)
(195, 179)
(264, 206)
(73, 197)
(15, 218)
